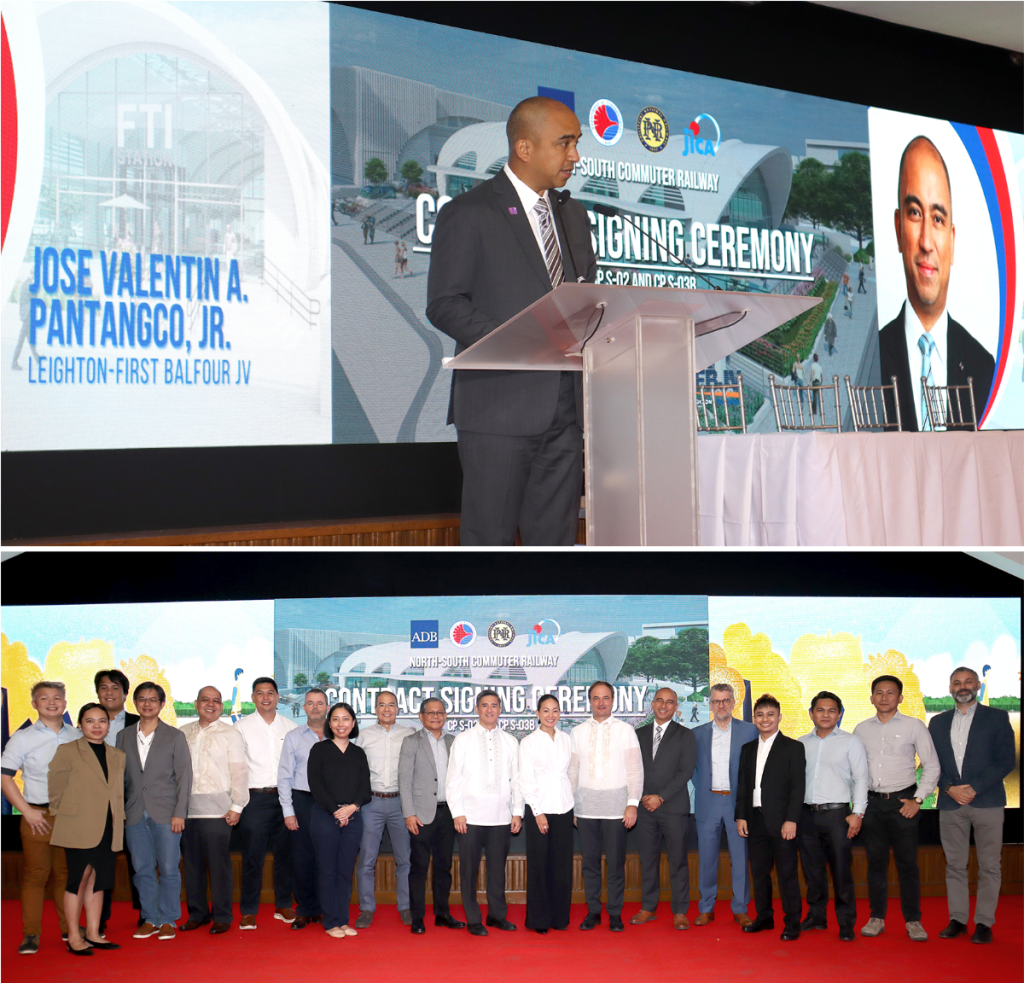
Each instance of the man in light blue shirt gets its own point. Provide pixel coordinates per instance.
(837, 774)
(297, 805)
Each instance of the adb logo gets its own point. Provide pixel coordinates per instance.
(462, 634)
(606, 122)
(703, 136)
(423, 634)
(652, 129)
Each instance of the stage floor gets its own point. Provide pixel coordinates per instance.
(388, 951)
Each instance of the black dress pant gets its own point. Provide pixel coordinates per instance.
(307, 898)
(885, 828)
(108, 896)
(653, 828)
(435, 841)
(262, 828)
(606, 836)
(494, 841)
(824, 846)
(768, 849)
(206, 846)
(548, 871)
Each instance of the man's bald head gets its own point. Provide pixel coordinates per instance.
(542, 138)
(922, 145)
(528, 117)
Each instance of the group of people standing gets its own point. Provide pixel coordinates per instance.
(320, 795)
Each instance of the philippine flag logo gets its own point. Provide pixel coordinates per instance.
(462, 634)
(606, 122)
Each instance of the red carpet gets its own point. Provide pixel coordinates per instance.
(274, 952)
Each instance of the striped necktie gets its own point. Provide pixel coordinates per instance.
(552, 257)
(926, 344)
(657, 740)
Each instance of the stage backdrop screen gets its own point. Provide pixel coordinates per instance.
(524, 646)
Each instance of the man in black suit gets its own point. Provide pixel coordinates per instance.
(976, 750)
(669, 753)
(111, 691)
(495, 250)
(924, 335)
(768, 806)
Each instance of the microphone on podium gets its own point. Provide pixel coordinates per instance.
(609, 211)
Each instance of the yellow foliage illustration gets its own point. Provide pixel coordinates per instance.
(19, 674)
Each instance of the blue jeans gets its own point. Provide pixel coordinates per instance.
(153, 845)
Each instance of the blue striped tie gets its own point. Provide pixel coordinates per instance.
(927, 345)
(552, 257)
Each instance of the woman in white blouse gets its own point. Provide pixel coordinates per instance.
(544, 781)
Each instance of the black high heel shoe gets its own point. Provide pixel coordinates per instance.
(78, 952)
(102, 945)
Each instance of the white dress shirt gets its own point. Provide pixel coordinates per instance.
(529, 198)
(914, 330)
(263, 743)
(544, 772)
(959, 731)
(892, 750)
(483, 777)
(382, 749)
(763, 749)
(220, 776)
(606, 769)
(721, 746)
(145, 742)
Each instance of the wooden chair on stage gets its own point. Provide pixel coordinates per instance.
(869, 406)
(708, 398)
(948, 406)
(793, 403)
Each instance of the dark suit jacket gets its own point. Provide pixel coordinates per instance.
(742, 732)
(80, 796)
(162, 788)
(668, 773)
(989, 757)
(130, 718)
(782, 783)
(417, 775)
(485, 267)
(966, 359)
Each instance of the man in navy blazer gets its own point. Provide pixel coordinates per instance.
(492, 255)
(976, 750)
(715, 781)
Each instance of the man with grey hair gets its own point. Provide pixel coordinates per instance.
(30, 750)
(220, 791)
(715, 779)
(975, 746)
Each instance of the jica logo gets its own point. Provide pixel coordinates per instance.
(545, 632)
(703, 136)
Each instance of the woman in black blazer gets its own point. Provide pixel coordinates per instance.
(339, 781)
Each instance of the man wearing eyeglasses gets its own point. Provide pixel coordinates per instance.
(715, 781)
(422, 771)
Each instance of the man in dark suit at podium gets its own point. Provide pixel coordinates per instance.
(495, 250)
(669, 754)
(923, 340)
(768, 807)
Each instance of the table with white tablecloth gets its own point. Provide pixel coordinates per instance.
(862, 489)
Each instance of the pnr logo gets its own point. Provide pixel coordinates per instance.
(423, 634)
(545, 632)
(462, 634)
(606, 122)
(699, 137)
(652, 129)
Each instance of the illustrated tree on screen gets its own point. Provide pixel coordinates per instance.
(411, 171)
(323, 679)
(809, 195)
(376, 171)
(648, 657)
(851, 193)
(689, 653)
(300, 680)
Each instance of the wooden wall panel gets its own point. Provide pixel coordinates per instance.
(930, 859)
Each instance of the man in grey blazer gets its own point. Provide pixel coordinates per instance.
(422, 770)
(669, 753)
(715, 782)
(157, 782)
(495, 250)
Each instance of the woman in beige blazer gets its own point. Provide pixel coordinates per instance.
(87, 802)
